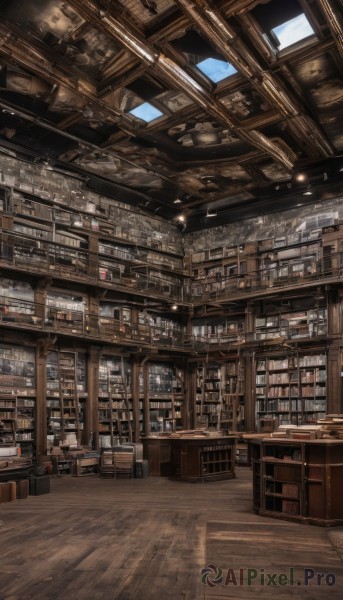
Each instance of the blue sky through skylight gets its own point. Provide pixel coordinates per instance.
(147, 112)
(293, 31)
(215, 69)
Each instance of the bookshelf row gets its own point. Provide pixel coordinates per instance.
(155, 400)
(79, 313)
(40, 235)
(292, 389)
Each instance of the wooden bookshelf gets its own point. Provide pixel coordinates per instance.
(298, 480)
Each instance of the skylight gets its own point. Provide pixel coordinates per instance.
(215, 69)
(146, 111)
(293, 31)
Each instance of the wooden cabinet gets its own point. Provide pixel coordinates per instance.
(191, 459)
(203, 459)
(157, 451)
(298, 480)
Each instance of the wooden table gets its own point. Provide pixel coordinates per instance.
(191, 458)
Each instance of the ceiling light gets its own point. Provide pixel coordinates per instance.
(208, 214)
(300, 177)
(308, 192)
(177, 201)
(174, 307)
(181, 218)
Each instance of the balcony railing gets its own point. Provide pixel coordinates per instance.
(50, 258)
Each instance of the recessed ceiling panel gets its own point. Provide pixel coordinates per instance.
(145, 11)
(244, 103)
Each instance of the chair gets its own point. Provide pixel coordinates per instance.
(123, 463)
(107, 466)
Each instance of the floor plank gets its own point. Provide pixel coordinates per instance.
(149, 539)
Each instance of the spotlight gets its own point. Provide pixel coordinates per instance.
(174, 307)
(308, 192)
(181, 218)
(300, 177)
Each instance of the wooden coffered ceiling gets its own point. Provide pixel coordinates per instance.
(71, 72)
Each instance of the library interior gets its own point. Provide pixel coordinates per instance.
(171, 299)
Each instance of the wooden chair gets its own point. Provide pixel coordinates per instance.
(123, 463)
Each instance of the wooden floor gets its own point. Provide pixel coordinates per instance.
(149, 539)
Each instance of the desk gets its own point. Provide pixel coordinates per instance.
(191, 458)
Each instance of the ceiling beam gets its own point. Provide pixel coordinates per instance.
(176, 77)
(216, 29)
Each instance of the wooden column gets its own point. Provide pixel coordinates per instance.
(41, 291)
(185, 410)
(190, 395)
(92, 318)
(334, 360)
(250, 393)
(93, 249)
(92, 423)
(41, 411)
(135, 397)
(146, 411)
(249, 369)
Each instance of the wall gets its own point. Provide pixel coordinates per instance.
(131, 223)
(276, 225)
